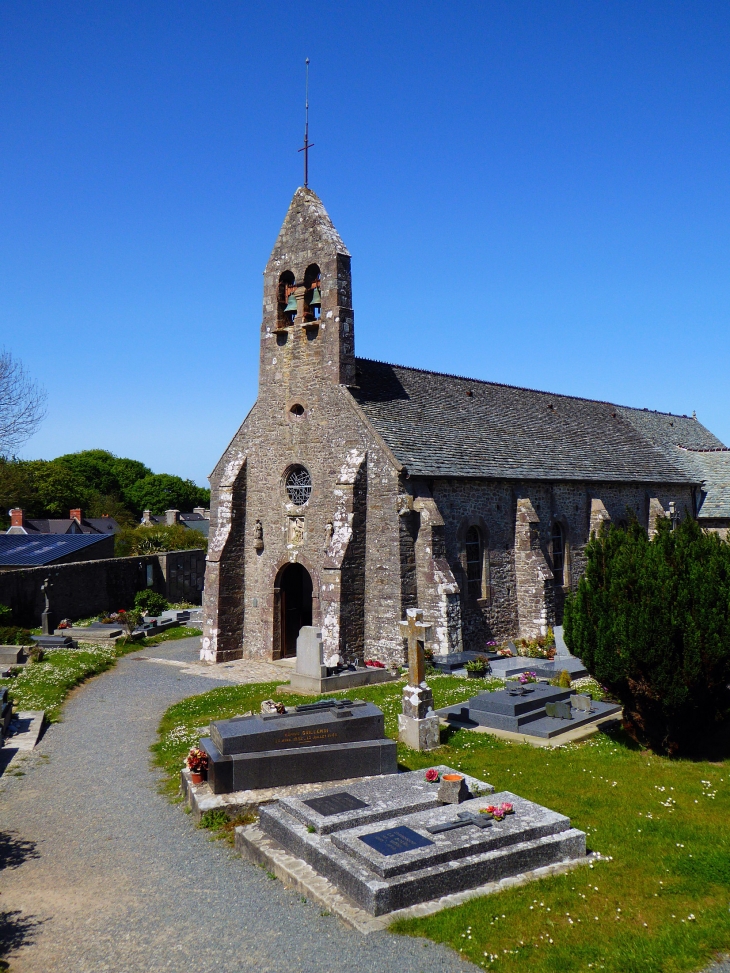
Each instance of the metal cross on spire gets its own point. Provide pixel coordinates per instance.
(307, 144)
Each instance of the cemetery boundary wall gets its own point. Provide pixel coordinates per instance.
(84, 588)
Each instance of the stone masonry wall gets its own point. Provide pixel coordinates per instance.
(85, 588)
(492, 506)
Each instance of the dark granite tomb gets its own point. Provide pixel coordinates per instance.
(535, 709)
(330, 740)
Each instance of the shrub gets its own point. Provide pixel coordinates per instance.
(564, 679)
(6, 615)
(651, 622)
(150, 540)
(12, 635)
(150, 602)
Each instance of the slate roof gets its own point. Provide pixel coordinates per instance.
(307, 216)
(192, 521)
(446, 425)
(713, 466)
(26, 550)
(94, 525)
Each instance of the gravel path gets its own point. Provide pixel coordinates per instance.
(102, 874)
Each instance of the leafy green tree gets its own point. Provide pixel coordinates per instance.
(95, 480)
(59, 487)
(128, 471)
(17, 489)
(94, 467)
(651, 622)
(159, 492)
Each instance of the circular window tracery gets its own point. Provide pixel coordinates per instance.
(298, 484)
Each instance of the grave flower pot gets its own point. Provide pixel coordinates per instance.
(453, 789)
(196, 777)
(476, 673)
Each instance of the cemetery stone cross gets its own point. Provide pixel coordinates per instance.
(47, 620)
(418, 725)
(416, 631)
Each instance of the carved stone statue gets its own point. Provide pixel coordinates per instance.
(45, 588)
(328, 532)
(258, 536)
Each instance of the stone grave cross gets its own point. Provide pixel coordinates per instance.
(418, 725)
(416, 631)
(47, 620)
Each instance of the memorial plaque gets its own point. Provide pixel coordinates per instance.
(560, 710)
(394, 841)
(335, 804)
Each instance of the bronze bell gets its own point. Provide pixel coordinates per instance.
(316, 300)
(291, 307)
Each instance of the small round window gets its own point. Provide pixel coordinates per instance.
(298, 485)
(297, 410)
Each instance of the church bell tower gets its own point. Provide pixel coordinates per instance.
(307, 333)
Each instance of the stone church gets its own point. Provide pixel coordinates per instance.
(357, 489)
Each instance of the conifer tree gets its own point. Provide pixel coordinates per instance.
(651, 622)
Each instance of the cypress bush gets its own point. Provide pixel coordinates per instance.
(651, 622)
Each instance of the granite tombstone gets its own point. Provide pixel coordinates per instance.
(328, 740)
(406, 847)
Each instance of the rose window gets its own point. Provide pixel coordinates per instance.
(298, 485)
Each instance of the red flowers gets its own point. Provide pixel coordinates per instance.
(197, 760)
(433, 776)
(374, 664)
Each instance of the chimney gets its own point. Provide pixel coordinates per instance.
(172, 517)
(17, 517)
(146, 518)
(203, 511)
(75, 514)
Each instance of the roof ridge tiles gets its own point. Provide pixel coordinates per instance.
(704, 449)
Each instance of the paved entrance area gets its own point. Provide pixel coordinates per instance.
(102, 874)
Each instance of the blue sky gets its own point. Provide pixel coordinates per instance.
(533, 193)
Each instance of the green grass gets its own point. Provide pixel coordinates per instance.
(170, 635)
(184, 722)
(659, 901)
(44, 685)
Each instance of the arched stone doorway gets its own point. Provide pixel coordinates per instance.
(295, 606)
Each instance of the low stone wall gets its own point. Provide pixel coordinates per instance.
(85, 588)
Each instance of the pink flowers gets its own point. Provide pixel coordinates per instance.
(433, 776)
(500, 811)
(374, 664)
(525, 677)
